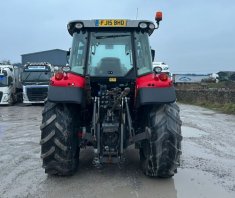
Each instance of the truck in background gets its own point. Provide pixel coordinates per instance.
(10, 85)
(35, 80)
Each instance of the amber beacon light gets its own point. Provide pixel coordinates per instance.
(158, 16)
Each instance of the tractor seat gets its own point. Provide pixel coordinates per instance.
(109, 66)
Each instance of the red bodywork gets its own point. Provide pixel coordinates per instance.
(69, 80)
(147, 81)
(152, 81)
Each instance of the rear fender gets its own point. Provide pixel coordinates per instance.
(68, 90)
(149, 96)
(151, 90)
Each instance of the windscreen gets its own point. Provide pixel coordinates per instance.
(3, 78)
(36, 76)
(110, 54)
(3, 81)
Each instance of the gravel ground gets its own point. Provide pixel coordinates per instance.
(207, 168)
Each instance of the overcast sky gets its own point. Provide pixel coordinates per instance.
(194, 36)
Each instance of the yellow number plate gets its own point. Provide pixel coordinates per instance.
(112, 79)
(111, 23)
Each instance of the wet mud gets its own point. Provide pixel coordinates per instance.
(207, 163)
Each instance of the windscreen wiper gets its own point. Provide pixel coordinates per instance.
(39, 76)
(27, 77)
(112, 36)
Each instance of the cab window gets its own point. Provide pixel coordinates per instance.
(78, 53)
(143, 53)
(110, 54)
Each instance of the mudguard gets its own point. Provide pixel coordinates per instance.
(66, 94)
(148, 96)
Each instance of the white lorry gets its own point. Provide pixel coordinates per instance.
(35, 79)
(10, 85)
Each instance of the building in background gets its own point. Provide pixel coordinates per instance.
(195, 78)
(56, 57)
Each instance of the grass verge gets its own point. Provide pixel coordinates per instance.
(228, 108)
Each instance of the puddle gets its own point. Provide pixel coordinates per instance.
(208, 113)
(192, 132)
(2, 130)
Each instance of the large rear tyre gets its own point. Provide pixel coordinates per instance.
(59, 142)
(160, 155)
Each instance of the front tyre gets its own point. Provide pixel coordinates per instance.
(160, 155)
(59, 142)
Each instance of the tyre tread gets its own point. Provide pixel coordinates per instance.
(59, 149)
(162, 152)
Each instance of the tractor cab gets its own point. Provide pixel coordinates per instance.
(111, 48)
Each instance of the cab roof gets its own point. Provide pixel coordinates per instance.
(110, 24)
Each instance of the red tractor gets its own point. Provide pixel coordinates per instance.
(109, 97)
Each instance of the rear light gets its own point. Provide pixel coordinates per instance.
(143, 25)
(59, 75)
(163, 77)
(79, 25)
(151, 26)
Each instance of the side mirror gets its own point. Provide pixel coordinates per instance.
(153, 54)
(10, 81)
(66, 68)
(93, 49)
(157, 70)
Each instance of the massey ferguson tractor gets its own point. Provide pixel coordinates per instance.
(109, 97)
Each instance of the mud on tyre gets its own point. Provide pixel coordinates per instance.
(59, 144)
(160, 155)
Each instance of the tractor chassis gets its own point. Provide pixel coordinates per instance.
(95, 136)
